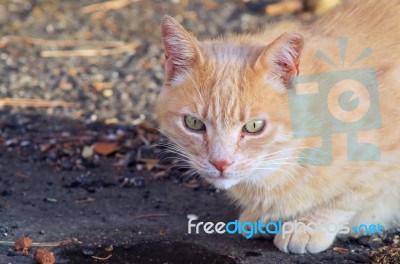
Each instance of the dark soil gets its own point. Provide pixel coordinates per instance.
(128, 204)
(90, 200)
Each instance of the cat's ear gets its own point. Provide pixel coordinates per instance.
(181, 49)
(279, 61)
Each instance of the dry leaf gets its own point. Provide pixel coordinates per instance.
(99, 86)
(285, 7)
(386, 255)
(160, 174)
(105, 149)
(193, 184)
(341, 250)
(43, 256)
(322, 6)
(23, 244)
(149, 164)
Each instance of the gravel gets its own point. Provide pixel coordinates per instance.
(120, 88)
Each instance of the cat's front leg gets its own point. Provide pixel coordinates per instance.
(251, 216)
(312, 234)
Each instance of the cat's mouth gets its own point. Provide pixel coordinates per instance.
(219, 176)
(222, 181)
(222, 176)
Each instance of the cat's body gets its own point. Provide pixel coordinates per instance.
(225, 84)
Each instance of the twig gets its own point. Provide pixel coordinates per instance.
(59, 43)
(148, 216)
(88, 200)
(34, 103)
(57, 244)
(45, 244)
(100, 258)
(284, 7)
(340, 250)
(106, 6)
(22, 176)
(7, 243)
(67, 137)
(90, 52)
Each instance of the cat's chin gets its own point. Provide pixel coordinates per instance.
(222, 183)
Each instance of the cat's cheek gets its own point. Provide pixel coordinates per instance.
(194, 137)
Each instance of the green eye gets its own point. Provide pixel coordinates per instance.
(254, 126)
(194, 123)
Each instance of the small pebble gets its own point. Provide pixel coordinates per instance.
(109, 248)
(25, 143)
(87, 252)
(396, 239)
(87, 152)
(111, 137)
(66, 165)
(364, 240)
(52, 156)
(375, 242)
(11, 142)
(50, 200)
(137, 181)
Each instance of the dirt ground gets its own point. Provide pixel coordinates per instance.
(51, 193)
(125, 202)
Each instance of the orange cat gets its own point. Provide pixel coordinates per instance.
(299, 123)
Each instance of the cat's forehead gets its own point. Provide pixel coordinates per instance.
(223, 53)
(226, 101)
(224, 88)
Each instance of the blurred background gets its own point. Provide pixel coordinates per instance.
(103, 60)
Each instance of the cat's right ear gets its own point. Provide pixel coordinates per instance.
(279, 61)
(181, 49)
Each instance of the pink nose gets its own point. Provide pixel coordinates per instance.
(221, 165)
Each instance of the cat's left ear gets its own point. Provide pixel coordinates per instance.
(279, 61)
(181, 49)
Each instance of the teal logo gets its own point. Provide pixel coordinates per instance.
(344, 101)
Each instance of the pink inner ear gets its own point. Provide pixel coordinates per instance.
(285, 53)
(287, 70)
(281, 58)
(181, 49)
(169, 68)
(165, 33)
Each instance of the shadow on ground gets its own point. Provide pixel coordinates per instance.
(155, 252)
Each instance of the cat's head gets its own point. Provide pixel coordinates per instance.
(224, 104)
